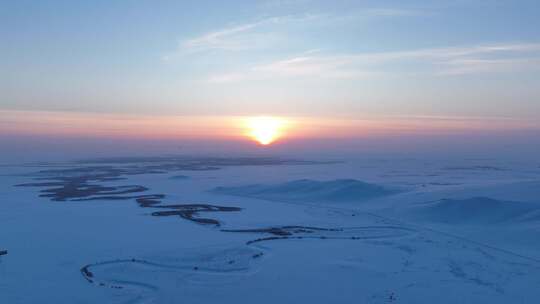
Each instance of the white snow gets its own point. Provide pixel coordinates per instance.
(392, 231)
(476, 211)
(306, 190)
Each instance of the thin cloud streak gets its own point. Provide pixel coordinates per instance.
(239, 37)
(218, 39)
(438, 61)
(252, 35)
(393, 12)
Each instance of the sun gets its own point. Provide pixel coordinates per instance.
(265, 130)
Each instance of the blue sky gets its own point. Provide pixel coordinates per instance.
(309, 58)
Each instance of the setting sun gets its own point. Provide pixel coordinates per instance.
(265, 130)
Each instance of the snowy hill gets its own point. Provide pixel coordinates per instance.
(477, 210)
(305, 190)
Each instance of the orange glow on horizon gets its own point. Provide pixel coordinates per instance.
(265, 130)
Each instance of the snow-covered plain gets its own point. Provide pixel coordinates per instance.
(249, 230)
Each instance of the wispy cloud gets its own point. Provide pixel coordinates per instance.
(227, 77)
(392, 12)
(476, 66)
(238, 37)
(259, 33)
(318, 66)
(493, 58)
(221, 39)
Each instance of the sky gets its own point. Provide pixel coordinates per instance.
(318, 61)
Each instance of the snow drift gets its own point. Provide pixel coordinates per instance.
(305, 190)
(477, 210)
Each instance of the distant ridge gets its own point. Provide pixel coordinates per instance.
(305, 190)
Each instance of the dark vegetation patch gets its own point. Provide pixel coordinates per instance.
(192, 211)
(284, 230)
(475, 168)
(307, 232)
(89, 183)
(179, 177)
(86, 182)
(285, 233)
